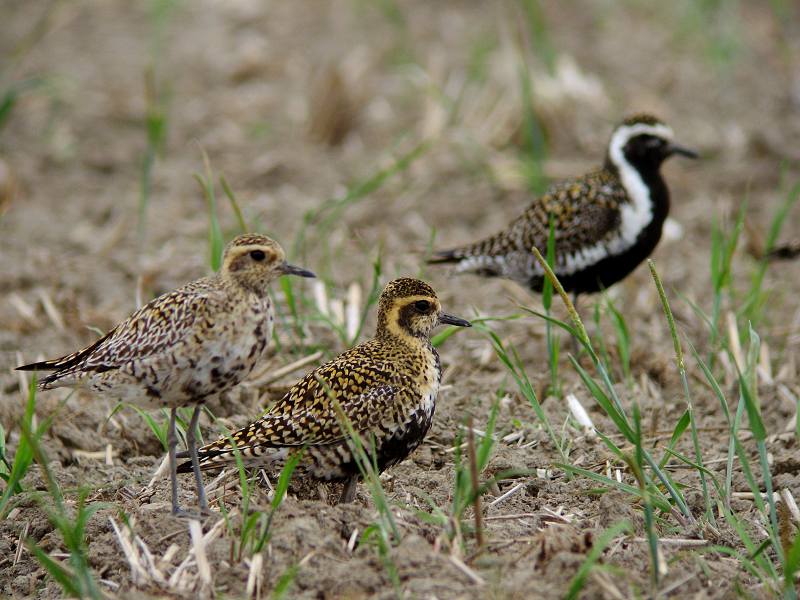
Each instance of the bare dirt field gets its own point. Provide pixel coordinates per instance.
(362, 133)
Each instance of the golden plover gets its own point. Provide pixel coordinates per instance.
(187, 345)
(386, 387)
(605, 222)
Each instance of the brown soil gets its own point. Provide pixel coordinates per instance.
(296, 101)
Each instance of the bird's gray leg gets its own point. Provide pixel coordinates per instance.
(192, 447)
(172, 443)
(349, 491)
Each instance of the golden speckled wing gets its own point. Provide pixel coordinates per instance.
(585, 210)
(310, 426)
(153, 329)
(369, 393)
(587, 213)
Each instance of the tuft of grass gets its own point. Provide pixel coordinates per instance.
(155, 126)
(685, 382)
(474, 478)
(607, 398)
(320, 220)
(467, 489)
(157, 97)
(243, 228)
(623, 338)
(755, 302)
(534, 149)
(598, 547)
(13, 471)
(253, 530)
(75, 578)
(384, 531)
(216, 242)
(285, 582)
(723, 247)
(160, 428)
(513, 363)
(216, 239)
(539, 33)
(553, 346)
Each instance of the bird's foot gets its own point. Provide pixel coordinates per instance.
(181, 513)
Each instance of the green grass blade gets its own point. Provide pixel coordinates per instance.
(679, 361)
(234, 204)
(598, 547)
(59, 574)
(605, 402)
(285, 582)
(215, 239)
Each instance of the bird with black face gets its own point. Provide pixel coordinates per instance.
(605, 222)
(385, 387)
(186, 346)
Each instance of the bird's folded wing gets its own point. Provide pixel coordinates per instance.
(584, 211)
(153, 329)
(320, 424)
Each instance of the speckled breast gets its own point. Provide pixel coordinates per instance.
(211, 361)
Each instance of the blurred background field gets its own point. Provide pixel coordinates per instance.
(360, 134)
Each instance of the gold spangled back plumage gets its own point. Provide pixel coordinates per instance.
(585, 210)
(385, 388)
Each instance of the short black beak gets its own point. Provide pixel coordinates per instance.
(676, 149)
(446, 319)
(288, 269)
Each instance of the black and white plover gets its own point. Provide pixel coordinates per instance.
(386, 387)
(605, 222)
(187, 345)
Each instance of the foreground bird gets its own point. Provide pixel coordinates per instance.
(605, 222)
(187, 345)
(386, 387)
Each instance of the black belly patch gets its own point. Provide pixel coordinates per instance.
(395, 448)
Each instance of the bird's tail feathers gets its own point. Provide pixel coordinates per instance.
(209, 459)
(471, 259)
(222, 452)
(447, 256)
(65, 363)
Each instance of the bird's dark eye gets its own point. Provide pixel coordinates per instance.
(422, 306)
(257, 255)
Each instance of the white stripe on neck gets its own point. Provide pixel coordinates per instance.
(636, 215)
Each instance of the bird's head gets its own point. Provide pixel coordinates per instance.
(254, 260)
(410, 307)
(644, 142)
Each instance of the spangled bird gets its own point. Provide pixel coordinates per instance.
(386, 388)
(187, 345)
(605, 222)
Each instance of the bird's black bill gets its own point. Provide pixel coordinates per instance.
(288, 269)
(675, 149)
(445, 319)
